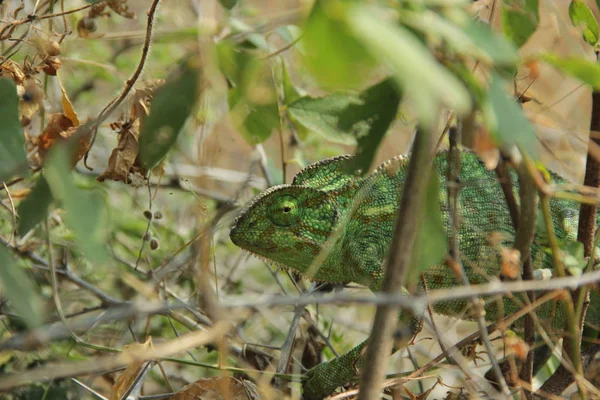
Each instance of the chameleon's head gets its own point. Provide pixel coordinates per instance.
(287, 224)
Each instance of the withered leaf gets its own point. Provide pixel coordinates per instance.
(128, 377)
(122, 157)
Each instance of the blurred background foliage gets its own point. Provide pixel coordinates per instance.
(130, 134)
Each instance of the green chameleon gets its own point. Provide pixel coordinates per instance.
(333, 226)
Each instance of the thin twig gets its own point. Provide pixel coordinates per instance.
(114, 103)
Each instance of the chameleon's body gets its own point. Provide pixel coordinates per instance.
(336, 227)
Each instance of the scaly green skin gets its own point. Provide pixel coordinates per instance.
(335, 227)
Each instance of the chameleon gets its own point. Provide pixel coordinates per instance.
(335, 226)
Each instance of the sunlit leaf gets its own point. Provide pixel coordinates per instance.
(361, 118)
(423, 79)
(13, 158)
(520, 19)
(581, 16)
(85, 212)
(582, 69)
(170, 108)
(16, 286)
(34, 208)
(332, 53)
(508, 123)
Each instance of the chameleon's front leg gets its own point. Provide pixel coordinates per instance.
(328, 376)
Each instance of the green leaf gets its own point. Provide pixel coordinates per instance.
(501, 51)
(332, 53)
(12, 141)
(85, 212)
(252, 97)
(290, 92)
(258, 125)
(423, 79)
(228, 4)
(520, 19)
(475, 39)
(170, 108)
(431, 242)
(378, 111)
(507, 121)
(584, 70)
(34, 208)
(582, 17)
(19, 290)
(324, 115)
(362, 118)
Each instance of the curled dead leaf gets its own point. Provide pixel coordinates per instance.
(121, 8)
(123, 157)
(51, 65)
(12, 70)
(60, 129)
(129, 376)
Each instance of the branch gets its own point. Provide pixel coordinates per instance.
(402, 249)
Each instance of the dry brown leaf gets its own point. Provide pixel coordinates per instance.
(126, 379)
(56, 130)
(122, 158)
(12, 70)
(121, 8)
(218, 389)
(67, 106)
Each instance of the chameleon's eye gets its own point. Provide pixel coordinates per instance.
(284, 210)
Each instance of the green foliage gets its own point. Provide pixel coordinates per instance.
(12, 142)
(421, 77)
(582, 69)
(520, 19)
(581, 16)
(333, 52)
(229, 4)
(84, 211)
(173, 103)
(19, 290)
(362, 118)
(252, 98)
(34, 208)
(506, 119)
